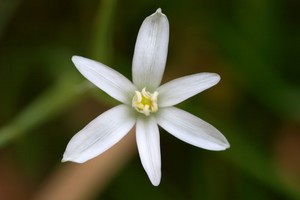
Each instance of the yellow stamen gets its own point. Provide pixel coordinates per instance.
(145, 102)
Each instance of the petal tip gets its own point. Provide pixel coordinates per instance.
(65, 159)
(75, 59)
(227, 146)
(155, 181)
(159, 13)
(224, 146)
(68, 159)
(218, 77)
(215, 77)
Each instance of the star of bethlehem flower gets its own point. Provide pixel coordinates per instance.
(145, 103)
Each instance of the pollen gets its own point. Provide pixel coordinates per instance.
(145, 102)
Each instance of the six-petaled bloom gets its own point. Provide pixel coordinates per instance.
(146, 104)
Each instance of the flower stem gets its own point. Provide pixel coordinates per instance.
(65, 92)
(102, 38)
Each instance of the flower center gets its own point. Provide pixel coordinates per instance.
(145, 102)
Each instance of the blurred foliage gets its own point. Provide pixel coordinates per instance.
(252, 44)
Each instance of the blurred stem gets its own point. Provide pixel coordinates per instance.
(94, 175)
(101, 47)
(67, 91)
(48, 105)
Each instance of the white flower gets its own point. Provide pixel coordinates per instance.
(145, 103)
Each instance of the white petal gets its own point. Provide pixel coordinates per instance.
(100, 134)
(150, 53)
(147, 136)
(107, 79)
(180, 89)
(191, 129)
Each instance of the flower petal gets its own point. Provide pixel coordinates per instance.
(150, 53)
(100, 134)
(180, 89)
(191, 129)
(107, 79)
(147, 136)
